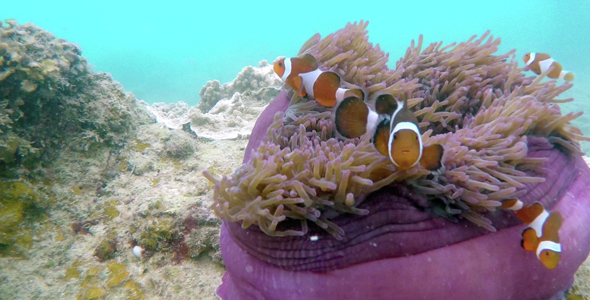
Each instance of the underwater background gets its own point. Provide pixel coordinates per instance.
(166, 53)
(91, 211)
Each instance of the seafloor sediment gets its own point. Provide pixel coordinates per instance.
(87, 174)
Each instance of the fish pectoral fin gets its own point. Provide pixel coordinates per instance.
(350, 117)
(529, 240)
(381, 139)
(298, 86)
(432, 156)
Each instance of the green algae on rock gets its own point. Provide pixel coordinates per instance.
(20, 206)
(477, 104)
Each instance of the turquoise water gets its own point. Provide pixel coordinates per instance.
(166, 51)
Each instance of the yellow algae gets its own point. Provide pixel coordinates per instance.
(117, 274)
(134, 290)
(48, 66)
(92, 293)
(28, 86)
(110, 211)
(77, 190)
(93, 271)
(139, 146)
(72, 272)
(8, 148)
(17, 201)
(59, 237)
(106, 250)
(123, 166)
(155, 181)
(11, 214)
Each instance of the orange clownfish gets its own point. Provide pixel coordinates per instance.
(394, 128)
(541, 235)
(304, 77)
(540, 62)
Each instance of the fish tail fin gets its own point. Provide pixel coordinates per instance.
(549, 253)
(567, 76)
(325, 88)
(512, 204)
(351, 117)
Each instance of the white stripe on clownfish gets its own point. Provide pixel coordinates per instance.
(547, 245)
(514, 204)
(531, 59)
(287, 69)
(404, 126)
(309, 79)
(303, 75)
(538, 223)
(542, 62)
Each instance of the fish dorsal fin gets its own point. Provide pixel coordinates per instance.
(432, 157)
(404, 114)
(358, 92)
(541, 56)
(310, 59)
(551, 227)
(351, 116)
(528, 214)
(385, 104)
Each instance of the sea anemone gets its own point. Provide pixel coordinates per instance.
(477, 105)
(339, 203)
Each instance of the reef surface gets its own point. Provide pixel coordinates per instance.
(87, 175)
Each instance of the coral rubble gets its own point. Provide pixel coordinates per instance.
(86, 175)
(226, 111)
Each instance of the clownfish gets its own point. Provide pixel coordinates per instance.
(307, 80)
(541, 235)
(540, 62)
(394, 128)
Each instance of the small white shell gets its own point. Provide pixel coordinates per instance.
(137, 250)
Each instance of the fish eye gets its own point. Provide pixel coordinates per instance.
(395, 136)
